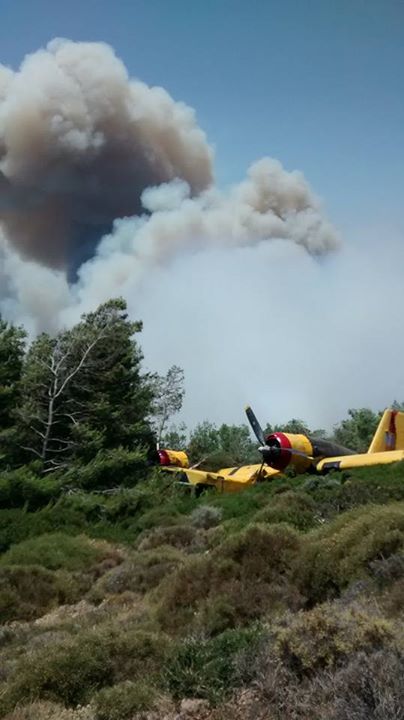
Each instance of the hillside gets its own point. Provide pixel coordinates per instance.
(284, 601)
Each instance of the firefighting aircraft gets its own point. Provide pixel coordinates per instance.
(285, 450)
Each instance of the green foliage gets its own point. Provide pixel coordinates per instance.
(123, 700)
(357, 431)
(120, 516)
(200, 668)
(29, 592)
(43, 710)
(175, 437)
(12, 341)
(343, 550)
(109, 469)
(142, 572)
(24, 487)
(327, 635)
(345, 490)
(220, 447)
(295, 508)
(242, 579)
(206, 516)
(54, 551)
(83, 393)
(178, 536)
(72, 670)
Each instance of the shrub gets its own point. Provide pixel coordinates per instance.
(328, 635)
(121, 701)
(208, 669)
(369, 687)
(343, 550)
(50, 711)
(28, 592)
(294, 508)
(386, 570)
(206, 516)
(141, 573)
(54, 551)
(22, 487)
(244, 578)
(71, 671)
(183, 593)
(352, 488)
(261, 551)
(110, 468)
(178, 536)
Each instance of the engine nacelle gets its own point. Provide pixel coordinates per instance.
(176, 458)
(286, 449)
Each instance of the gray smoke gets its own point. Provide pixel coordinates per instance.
(79, 142)
(108, 182)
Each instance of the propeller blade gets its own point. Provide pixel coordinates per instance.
(258, 431)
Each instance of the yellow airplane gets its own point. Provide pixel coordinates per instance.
(282, 450)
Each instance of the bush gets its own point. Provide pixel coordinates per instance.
(178, 536)
(386, 570)
(50, 711)
(369, 687)
(22, 487)
(343, 550)
(121, 701)
(141, 573)
(110, 469)
(262, 552)
(294, 508)
(328, 635)
(206, 516)
(244, 578)
(71, 671)
(348, 489)
(208, 669)
(54, 551)
(28, 592)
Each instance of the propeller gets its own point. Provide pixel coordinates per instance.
(271, 452)
(258, 431)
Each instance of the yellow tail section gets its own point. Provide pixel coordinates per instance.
(390, 433)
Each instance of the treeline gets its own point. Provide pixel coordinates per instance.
(76, 411)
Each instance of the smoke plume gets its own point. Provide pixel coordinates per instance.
(79, 142)
(106, 188)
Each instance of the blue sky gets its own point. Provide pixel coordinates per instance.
(317, 84)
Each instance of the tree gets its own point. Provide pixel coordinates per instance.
(84, 392)
(168, 391)
(12, 342)
(175, 437)
(356, 432)
(227, 445)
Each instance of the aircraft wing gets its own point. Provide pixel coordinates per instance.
(345, 462)
(225, 480)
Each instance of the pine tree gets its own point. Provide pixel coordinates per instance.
(84, 392)
(12, 340)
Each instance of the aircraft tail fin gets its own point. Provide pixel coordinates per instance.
(390, 432)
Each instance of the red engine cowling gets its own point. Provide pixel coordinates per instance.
(279, 456)
(175, 458)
